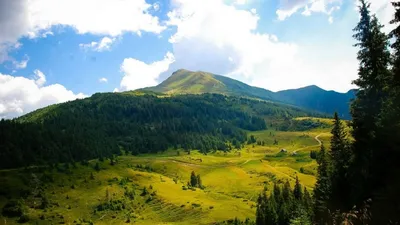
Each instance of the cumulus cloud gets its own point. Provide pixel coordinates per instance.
(40, 78)
(35, 18)
(289, 7)
(20, 95)
(103, 45)
(138, 74)
(220, 38)
(103, 80)
(384, 12)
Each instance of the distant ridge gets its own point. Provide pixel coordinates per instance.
(311, 97)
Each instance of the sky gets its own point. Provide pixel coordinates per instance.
(52, 51)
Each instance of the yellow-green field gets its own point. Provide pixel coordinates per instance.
(232, 183)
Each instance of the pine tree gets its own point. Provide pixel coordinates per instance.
(261, 207)
(286, 192)
(271, 214)
(193, 179)
(373, 80)
(307, 202)
(277, 193)
(297, 192)
(322, 189)
(341, 155)
(385, 160)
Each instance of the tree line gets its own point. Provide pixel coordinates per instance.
(358, 179)
(105, 124)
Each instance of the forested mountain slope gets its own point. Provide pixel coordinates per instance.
(136, 122)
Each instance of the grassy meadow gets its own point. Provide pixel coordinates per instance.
(153, 188)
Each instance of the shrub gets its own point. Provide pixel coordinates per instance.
(13, 208)
(24, 218)
(130, 193)
(114, 205)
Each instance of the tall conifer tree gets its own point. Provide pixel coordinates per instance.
(373, 80)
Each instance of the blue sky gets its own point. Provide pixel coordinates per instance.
(53, 51)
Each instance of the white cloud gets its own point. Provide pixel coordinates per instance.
(156, 6)
(40, 78)
(20, 95)
(103, 45)
(219, 38)
(21, 64)
(138, 74)
(289, 7)
(383, 10)
(103, 80)
(35, 18)
(330, 19)
(240, 2)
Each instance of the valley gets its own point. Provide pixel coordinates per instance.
(112, 191)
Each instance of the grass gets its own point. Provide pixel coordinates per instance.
(232, 183)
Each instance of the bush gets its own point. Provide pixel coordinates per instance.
(114, 205)
(149, 199)
(13, 208)
(24, 218)
(130, 193)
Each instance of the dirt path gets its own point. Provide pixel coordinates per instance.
(245, 162)
(316, 138)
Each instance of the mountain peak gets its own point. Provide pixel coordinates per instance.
(312, 97)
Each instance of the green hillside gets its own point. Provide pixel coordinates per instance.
(311, 97)
(136, 122)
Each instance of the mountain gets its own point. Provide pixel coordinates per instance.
(189, 82)
(318, 99)
(137, 122)
(310, 97)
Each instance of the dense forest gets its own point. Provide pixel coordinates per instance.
(105, 124)
(358, 179)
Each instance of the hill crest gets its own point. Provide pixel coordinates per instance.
(310, 97)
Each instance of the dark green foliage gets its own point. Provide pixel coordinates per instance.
(252, 140)
(297, 190)
(386, 161)
(322, 189)
(287, 192)
(313, 154)
(113, 205)
(193, 179)
(97, 167)
(144, 192)
(340, 156)
(308, 203)
(97, 127)
(24, 218)
(130, 193)
(376, 118)
(300, 125)
(13, 208)
(266, 210)
(236, 221)
(374, 76)
(282, 207)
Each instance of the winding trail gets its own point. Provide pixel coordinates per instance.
(316, 138)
